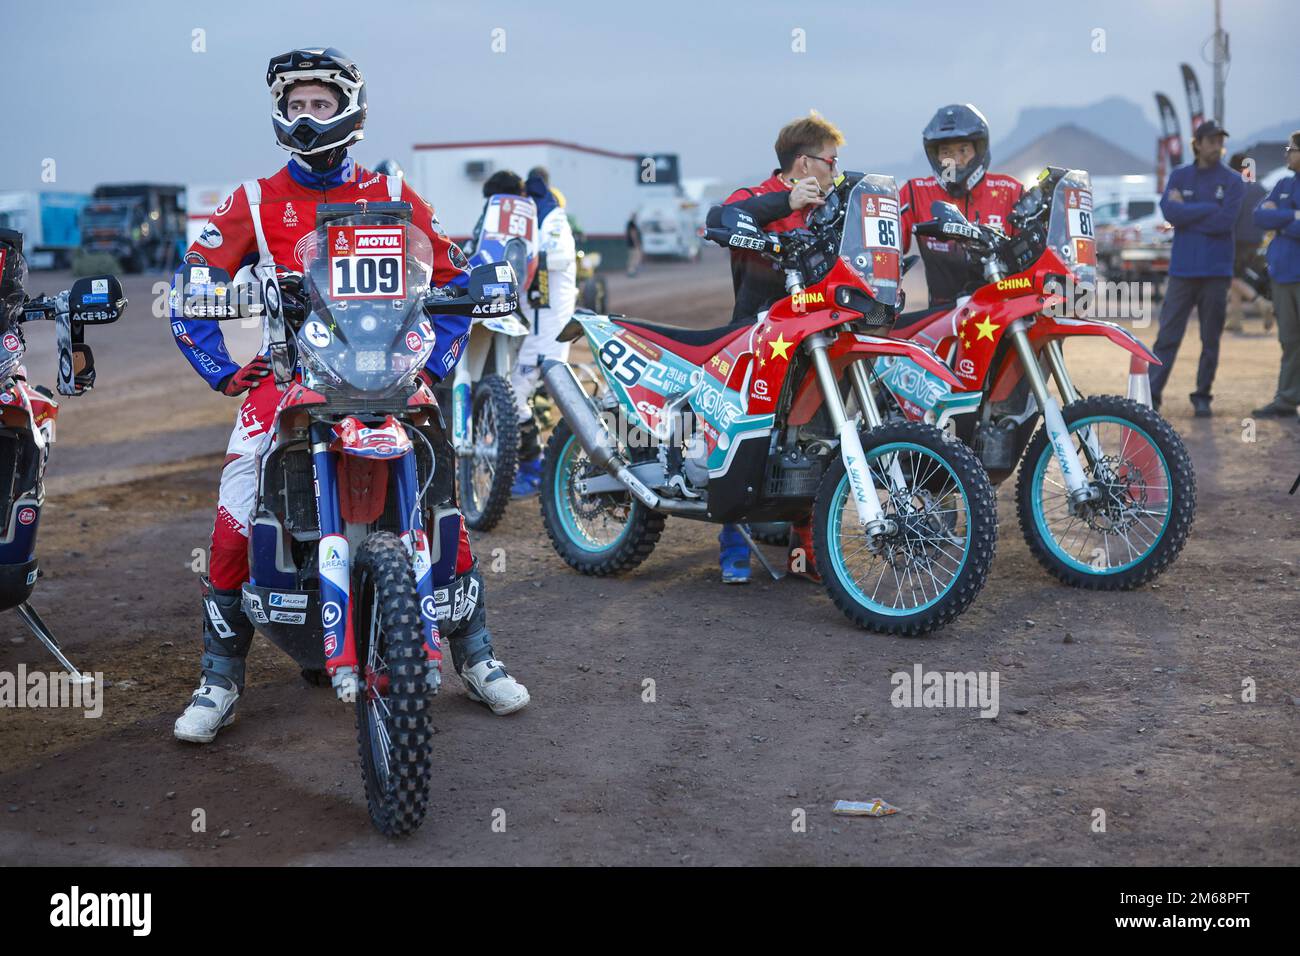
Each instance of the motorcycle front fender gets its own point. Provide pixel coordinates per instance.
(1059, 327)
(871, 345)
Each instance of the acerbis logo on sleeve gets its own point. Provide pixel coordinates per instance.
(77, 909)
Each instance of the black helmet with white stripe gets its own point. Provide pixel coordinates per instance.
(952, 123)
(305, 134)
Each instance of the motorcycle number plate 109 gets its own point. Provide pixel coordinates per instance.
(367, 262)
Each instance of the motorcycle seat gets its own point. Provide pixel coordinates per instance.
(908, 319)
(697, 346)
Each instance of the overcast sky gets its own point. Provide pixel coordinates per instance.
(113, 91)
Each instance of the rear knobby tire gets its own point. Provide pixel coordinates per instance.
(641, 528)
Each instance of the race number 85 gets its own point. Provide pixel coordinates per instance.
(624, 364)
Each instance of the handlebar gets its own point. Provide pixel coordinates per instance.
(221, 300)
(45, 307)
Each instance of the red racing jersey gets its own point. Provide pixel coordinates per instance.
(947, 270)
(286, 209)
(758, 282)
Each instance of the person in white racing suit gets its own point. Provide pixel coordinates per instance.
(555, 296)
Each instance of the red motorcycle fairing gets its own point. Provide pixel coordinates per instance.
(33, 408)
(850, 347)
(791, 320)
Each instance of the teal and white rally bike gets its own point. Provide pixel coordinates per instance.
(774, 419)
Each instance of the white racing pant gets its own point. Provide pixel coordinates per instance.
(538, 346)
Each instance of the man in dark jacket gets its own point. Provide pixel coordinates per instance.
(1280, 212)
(1201, 202)
(1248, 238)
(808, 152)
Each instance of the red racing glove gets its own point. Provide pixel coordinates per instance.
(247, 377)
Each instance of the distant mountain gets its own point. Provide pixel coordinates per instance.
(1115, 119)
(1071, 145)
(1278, 133)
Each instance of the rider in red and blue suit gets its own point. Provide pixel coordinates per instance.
(319, 108)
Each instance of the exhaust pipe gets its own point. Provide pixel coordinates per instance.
(590, 430)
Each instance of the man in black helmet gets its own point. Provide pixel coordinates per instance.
(956, 143)
(318, 108)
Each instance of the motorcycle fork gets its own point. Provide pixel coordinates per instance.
(871, 413)
(334, 564)
(1056, 360)
(416, 540)
(462, 388)
(1057, 433)
(865, 500)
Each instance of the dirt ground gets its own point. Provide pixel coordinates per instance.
(767, 701)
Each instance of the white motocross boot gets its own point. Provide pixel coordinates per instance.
(486, 678)
(227, 634)
(211, 708)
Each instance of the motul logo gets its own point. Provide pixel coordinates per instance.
(378, 242)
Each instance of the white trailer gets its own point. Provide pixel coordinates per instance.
(601, 187)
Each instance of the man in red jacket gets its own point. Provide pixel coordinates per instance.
(956, 142)
(807, 151)
(319, 108)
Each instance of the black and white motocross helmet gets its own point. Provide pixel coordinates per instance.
(958, 121)
(307, 135)
(13, 277)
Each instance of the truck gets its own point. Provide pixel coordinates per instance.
(141, 225)
(50, 223)
(670, 227)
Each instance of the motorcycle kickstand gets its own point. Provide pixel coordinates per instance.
(38, 627)
(762, 558)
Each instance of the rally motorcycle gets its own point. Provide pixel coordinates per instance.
(27, 419)
(771, 419)
(1106, 493)
(355, 518)
(484, 420)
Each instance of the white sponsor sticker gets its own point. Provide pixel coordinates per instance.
(211, 236)
(1080, 223)
(288, 617)
(99, 286)
(367, 262)
(316, 333)
(505, 274)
